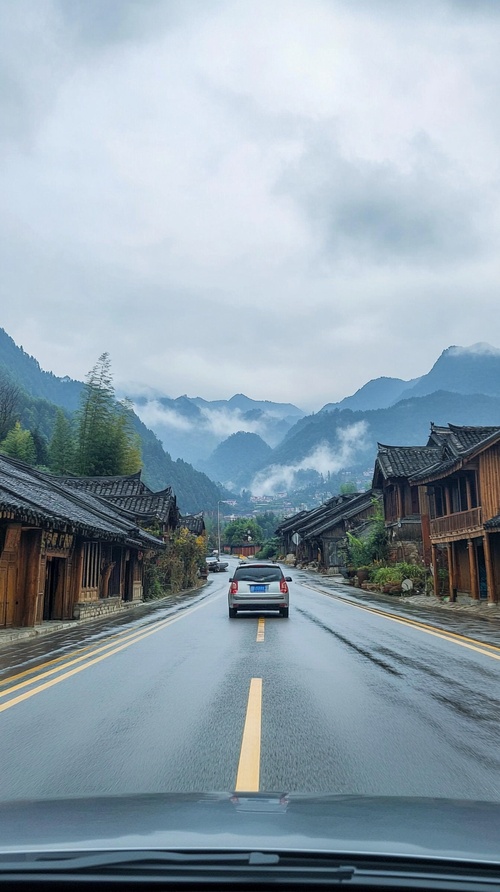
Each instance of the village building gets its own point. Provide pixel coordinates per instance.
(322, 532)
(406, 524)
(157, 510)
(64, 553)
(460, 491)
(194, 523)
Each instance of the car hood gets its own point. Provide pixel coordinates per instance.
(413, 827)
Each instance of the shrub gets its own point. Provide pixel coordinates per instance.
(388, 576)
(411, 571)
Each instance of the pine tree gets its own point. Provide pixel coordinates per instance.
(106, 444)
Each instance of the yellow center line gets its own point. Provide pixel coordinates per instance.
(452, 637)
(248, 775)
(109, 642)
(90, 661)
(261, 629)
(81, 654)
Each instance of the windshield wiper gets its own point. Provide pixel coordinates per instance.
(52, 862)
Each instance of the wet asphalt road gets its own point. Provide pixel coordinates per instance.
(353, 701)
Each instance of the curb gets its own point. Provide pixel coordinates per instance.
(7, 636)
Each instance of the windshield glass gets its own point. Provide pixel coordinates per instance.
(249, 314)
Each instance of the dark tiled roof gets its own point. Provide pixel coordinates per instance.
(465, 438)
(457, 444)
(405, 461)
(493, 523)
(290, 523)
(341, 507)
(193, 522)
(30, 496)
(109, 487)
(130, 494)
(342, 512)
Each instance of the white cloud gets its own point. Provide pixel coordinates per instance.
(152, 413)
(248, 197)
(323, 459)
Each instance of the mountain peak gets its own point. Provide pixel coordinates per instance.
(479, 349)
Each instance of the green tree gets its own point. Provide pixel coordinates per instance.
(347, 488)
(62, 446)
(268, 521)
(19, 444)
(9, 404)
(374, 546)
(237, 532)
(41, 448)
(105, 443)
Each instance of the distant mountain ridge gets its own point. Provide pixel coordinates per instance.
(193, 427)
(43, 392)
(474, 369)
(234, 460)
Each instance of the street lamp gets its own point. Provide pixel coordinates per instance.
(220, 502)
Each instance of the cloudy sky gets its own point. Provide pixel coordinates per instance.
(281, 198)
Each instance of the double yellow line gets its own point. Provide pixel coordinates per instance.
(487, 650)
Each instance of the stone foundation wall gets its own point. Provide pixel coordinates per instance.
(104, 607)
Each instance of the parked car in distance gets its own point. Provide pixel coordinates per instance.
(258, 587)
(215, 564)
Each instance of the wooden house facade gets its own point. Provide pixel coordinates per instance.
(461, 492)
(323, 530)
(405, 520)
(64, 553)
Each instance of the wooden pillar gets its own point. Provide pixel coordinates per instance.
(451, 570)
(399, 501)
(474, 587)
(490, 581)
(435, 570)
(447, 499)
(469, 493)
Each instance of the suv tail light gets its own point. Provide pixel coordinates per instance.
(283, 587)
(234, 588)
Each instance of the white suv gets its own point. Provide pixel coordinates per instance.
(258, 587)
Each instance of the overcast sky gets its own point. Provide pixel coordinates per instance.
(284, 198)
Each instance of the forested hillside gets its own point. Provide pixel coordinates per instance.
(38, 395)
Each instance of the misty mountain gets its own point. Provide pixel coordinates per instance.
(474, 369)
(379, 393)
(234, 460)
(192, 427)
(344, 439)
(25, 371)
(42, 393)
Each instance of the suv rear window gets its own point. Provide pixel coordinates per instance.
(258, 574)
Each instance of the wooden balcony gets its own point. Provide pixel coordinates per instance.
(453, 526)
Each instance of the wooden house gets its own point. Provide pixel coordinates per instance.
(406, 526)
(461, 493)
(323, 530)
(194, 523)
(129, 493)
(64, 553)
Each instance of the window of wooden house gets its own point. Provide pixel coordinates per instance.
(437, 502)
(114, 585)
(455, 497)
(462, 488)
(474, 501)
(415, 505)
(390, 498)
(91, 564)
